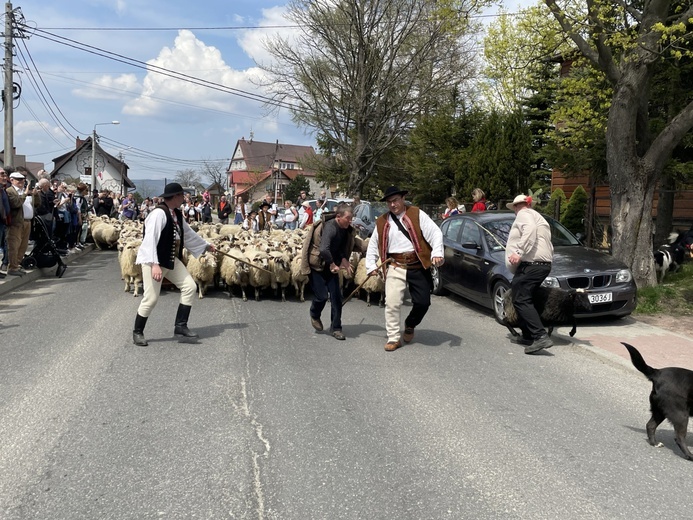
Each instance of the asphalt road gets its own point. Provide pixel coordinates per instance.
(266, 419)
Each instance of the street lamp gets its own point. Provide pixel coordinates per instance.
(93, 153)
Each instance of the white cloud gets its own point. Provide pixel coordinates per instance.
(111, 87)
(191, 57)
(252, 40)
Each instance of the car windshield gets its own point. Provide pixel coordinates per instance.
(497, 232)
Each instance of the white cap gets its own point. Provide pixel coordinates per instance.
(17, 175)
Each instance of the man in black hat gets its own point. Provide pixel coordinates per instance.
(264, 216)
(165, 235)
(412, 242)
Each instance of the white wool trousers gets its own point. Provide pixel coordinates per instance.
(178, 276)
(396, 283)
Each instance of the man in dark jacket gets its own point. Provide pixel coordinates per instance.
(336, 238)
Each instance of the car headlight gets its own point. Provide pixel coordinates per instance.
(551, 281)
(623, 276)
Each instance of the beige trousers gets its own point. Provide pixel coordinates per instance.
(178, 276)
(14, 241)
(395, 287)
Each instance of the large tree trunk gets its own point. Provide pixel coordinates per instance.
(632, 183)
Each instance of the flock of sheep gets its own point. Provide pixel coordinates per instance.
(277, 252)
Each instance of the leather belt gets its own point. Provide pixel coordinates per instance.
(407, 260)
(535, 263)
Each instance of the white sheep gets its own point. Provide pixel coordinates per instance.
(259, 279)
(280, 265)
(233, 271)
(129, 270)
(373, 283)
(299, 280)
(202, 270)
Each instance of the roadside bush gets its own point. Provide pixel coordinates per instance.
(555, 207)
(574, 218)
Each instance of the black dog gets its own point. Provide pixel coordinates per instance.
(555, 307)
(671, 398)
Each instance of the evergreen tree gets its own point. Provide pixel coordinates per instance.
(574, 217)
(556, 205)
(295, 187)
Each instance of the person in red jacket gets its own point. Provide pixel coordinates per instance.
(479, 200)
(307, 216)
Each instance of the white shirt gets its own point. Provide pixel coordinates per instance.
(28, 208)
(398, 243)
(155, 223)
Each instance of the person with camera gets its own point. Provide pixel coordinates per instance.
(103, 204)
(16, 196)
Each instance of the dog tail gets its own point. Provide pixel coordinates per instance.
(639, 362)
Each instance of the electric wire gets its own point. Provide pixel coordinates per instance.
(162, 70)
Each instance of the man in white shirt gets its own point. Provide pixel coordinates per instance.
(412, 242)
(165, 235)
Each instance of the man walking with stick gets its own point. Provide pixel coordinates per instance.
(413, 242)
(325, 250)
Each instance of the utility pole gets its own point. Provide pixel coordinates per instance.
(8, 91)
(14, 28)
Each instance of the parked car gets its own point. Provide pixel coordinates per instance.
(475, 269)
(365, 215)
(328, 206)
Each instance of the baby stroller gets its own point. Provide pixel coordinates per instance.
(45, 254)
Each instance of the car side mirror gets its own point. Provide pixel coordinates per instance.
(471, 245)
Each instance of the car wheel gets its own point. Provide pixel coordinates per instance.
(499, 291)
(438, 288)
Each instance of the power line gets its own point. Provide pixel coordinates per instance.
(161, 70)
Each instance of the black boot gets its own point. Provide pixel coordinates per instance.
(182, 330)
(138, 331)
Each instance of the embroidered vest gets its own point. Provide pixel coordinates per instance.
(166, 247)
(423, 251)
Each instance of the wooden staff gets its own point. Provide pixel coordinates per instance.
(244, 261)
(355, 291)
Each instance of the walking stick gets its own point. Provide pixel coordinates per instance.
(244, 261)
(355, 291)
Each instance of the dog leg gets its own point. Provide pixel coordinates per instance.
(656, 420)
(681, 427)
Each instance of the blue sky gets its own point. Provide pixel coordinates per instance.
(166, 124)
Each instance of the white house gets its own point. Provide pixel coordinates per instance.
(111, 172)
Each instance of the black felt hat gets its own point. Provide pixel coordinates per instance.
(393, 190)
(265, 203)
(171, 190)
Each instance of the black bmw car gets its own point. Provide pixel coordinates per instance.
(475, 269)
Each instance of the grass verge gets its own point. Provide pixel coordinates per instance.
(673, 297)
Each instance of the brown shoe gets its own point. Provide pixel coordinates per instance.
(391, 346)
(316, 323)
(408, 334)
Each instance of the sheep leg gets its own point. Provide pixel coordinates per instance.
(257, 294)
(303, 288)
(382, 299)
(283, 294)
(513, 331)
(135, 282)
(245, 298)
(368, 298)
(127, 284)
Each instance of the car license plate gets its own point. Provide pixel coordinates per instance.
(603, 297)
